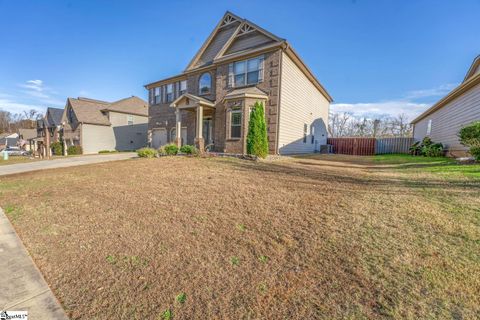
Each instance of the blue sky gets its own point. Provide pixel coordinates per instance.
(373, 56)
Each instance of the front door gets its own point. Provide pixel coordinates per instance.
(207, 131)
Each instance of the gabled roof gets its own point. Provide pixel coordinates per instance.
(473, 68)
(93, 111)
(195, 98)
(131, 105)
(89, 110)
(53, 117)
(236, 38)
(228, 30)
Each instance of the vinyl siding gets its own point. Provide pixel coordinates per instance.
(96, 138)
(248, 41)
(216, 45)
(129, 137)
(300, 103)
(447, 121)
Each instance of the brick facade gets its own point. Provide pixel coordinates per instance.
(163, 116)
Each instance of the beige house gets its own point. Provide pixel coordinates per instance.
(240, 63)
(460, 107)
(100, 125)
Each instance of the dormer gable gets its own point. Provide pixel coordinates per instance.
(232, 35)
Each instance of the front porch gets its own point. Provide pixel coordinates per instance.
(204, 111)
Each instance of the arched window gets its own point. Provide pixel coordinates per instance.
(205, 83)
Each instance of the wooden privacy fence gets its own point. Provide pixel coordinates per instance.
(353, 146)
(393, 145)
(369, 146)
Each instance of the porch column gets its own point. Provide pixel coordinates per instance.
(178, 117)
(199, 141)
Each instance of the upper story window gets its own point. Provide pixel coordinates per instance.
(158, 95)
(183, 87)
(130, 120)
(246, 72)
(205, 83)
(169, 92)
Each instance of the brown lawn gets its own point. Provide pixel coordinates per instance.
(305, 238)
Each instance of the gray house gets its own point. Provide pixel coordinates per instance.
(444, 119)
(97, 125)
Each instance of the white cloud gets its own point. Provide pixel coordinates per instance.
(412, 104)
(37, 90)
(381, 109)
(17, 107)
(431, 93)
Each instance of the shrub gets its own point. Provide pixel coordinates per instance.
(188, 149)
(427, 148)
(146, 152)
(257, 142)
(170, 149)
(57, 148)
(74, 150)
(470, 137)
(433, 150)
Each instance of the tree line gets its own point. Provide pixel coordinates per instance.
(11, 122)
(345, 124)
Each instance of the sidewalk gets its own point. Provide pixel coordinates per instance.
(22, 287)
(63, 162)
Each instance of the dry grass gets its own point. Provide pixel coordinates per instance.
(229, 239)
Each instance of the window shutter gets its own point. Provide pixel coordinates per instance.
(260, 71)
(162, 93)
(151, 95)
(230, 75)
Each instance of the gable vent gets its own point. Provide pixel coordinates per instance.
(245, 28)
(229, 19)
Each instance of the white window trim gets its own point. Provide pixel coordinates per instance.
(130, 119)
(200, 93)
(169, 93)
(232, 112)
(231, 72)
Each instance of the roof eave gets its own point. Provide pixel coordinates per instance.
(462, 88)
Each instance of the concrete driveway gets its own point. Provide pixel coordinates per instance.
(63, 162)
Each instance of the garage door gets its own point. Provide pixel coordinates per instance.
(159, 138)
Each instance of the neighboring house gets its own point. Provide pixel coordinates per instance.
(51, 122)
(239, 64)
(27, 138)
(8, 139)
(443, 121)
(99, 125)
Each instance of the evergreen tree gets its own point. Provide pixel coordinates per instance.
(257, 142)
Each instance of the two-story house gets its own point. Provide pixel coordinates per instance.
(239, 64)
(97, 125)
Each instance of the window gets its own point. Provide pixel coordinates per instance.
(130, 120)
(183, 87)
(246, 72)
(305, 127)
(169, 92)
(429, 127)
(205, 83)
(236, 123)
(312, 133)
(158, 95)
